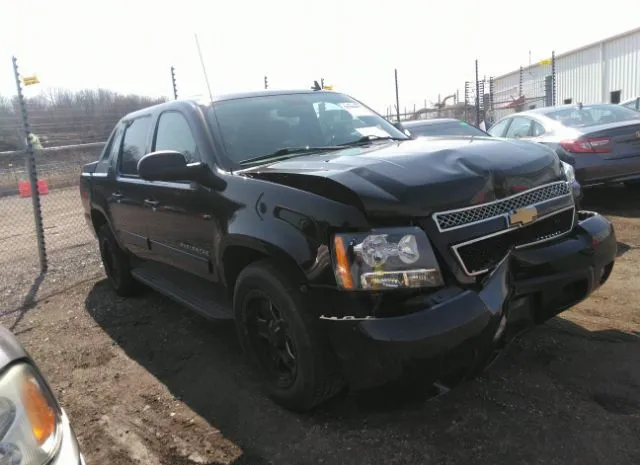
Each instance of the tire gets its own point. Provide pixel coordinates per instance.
(294, 356)
(116, 264)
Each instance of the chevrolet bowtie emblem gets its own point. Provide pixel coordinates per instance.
(523, 216)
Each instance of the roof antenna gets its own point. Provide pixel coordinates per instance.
(204, 69)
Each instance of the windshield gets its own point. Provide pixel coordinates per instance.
(448, 128)
(258, 126)
(592, 115)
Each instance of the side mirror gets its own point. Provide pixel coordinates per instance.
(165, 165)
(169, 165)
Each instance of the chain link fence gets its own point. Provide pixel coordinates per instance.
(486, 100)
(40, 165)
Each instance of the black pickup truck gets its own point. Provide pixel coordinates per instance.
(347, 252)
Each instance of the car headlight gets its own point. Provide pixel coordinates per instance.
(393, 258)
(29, 418)
(569, 172)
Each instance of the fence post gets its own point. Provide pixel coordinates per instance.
(397, 97)
(173, 80)
(467, 95)
(491, 100)
(520, 81)
(477, 96)
(553, 78)
(31, 167)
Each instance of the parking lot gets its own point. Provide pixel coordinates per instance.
(146, 381)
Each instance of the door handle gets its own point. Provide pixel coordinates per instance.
(151, 203)
(117, 195)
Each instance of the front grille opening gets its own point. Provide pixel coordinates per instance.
(484, 254)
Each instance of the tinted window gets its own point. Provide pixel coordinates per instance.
(592, 115)
(113, 146)
(257, 126)
(497, 130)
(134, 145)
(520, 127)
(174, 133)
(450, 128)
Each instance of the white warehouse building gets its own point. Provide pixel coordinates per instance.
(607, 71)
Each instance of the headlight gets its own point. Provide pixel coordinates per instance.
(393, 258)
(569, 172)
(29, 420)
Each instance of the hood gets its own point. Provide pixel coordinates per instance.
(418, 177)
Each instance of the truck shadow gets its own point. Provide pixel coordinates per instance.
(556, 385)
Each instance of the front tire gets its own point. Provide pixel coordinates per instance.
(116, 264)
(281, 335)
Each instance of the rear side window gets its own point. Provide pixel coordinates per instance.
(110, 152)
(134, 145)
(113, 147)
(174, 133)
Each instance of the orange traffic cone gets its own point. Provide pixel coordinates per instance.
(24, 188)
(43, 188)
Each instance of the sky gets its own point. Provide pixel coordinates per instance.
(355, 45)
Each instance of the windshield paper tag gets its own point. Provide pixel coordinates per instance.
(355, 109)
(372, 131)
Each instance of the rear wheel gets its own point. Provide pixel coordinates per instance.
(116, 264)
(282, 337)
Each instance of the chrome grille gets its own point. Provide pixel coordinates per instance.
(461, 217)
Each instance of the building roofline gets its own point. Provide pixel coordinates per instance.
(575, 50)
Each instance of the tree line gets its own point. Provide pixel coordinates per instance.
(65, 117)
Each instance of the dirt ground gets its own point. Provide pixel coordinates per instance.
(146, 381)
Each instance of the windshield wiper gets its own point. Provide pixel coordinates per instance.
(286, 152)
(371, 137)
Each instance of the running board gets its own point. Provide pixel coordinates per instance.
(195, 293)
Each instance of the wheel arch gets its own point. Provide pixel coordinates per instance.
(240, 251)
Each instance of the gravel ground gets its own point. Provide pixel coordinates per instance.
(71, 248)
(146, 381)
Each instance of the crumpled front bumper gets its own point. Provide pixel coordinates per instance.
(460, 328)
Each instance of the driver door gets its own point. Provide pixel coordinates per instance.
(181, 231)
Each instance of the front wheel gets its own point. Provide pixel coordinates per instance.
(281, 335)
(116, 264)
